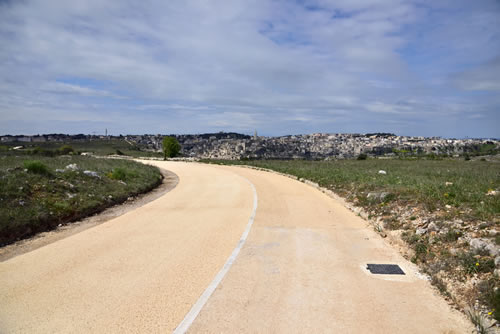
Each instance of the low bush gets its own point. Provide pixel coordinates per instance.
(66, 149)
(36, 167)
(362, 156)
(121, 174)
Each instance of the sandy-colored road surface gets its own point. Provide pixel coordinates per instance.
(300, 271)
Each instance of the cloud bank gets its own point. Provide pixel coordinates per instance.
(275, 66)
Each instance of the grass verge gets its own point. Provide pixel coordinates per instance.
(37, 193)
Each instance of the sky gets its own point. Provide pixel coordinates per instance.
(418, 68)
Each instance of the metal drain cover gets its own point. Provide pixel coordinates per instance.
(385, 269)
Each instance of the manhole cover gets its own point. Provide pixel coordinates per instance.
(385, 269)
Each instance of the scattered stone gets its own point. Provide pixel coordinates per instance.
(91, 173)
(478, 244)
(70, 196)
(121, 182)
(492, 193)
(447, 206)
(432, 227)
(420, 231)
(72, 167)
(21, 202)
(383, 172)
(58, 170)
(497, 261)
(448, 183)
(377, 196)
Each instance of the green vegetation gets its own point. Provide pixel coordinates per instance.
(171, 147)
(36, 167)
(101, 147)
(433, 184)
(122, 174)
(37, 195)
(362, 156)
(480, 323)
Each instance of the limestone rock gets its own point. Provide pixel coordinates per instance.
(478, 244)
(377, 196)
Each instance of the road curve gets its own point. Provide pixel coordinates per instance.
(300, 270)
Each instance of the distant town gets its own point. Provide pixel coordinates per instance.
(233, 146)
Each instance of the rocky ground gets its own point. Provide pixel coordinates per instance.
(460, 257)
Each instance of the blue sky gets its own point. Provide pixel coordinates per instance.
(280, 67)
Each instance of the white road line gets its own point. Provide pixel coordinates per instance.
(195, 310)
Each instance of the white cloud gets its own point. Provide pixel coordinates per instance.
(208, 65)
(485, 77)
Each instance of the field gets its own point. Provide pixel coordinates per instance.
(440, 210)
(101, 147)
(433, 184)
(37, 193)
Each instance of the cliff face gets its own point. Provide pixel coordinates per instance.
(314, 146)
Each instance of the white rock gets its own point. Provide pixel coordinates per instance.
(91, 173)
(382, 172)
(72, 167)
(448, 183)
(421, 231)
(432, 227)
(482, 244)
(377, 196)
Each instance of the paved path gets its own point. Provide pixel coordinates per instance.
(300, 271)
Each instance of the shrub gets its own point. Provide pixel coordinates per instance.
(42, 151)
(36, 167)
(362, 156)
(473, 265)
(118, 173)
(66, 149)
(171, 147)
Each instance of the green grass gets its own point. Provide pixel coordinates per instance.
(36, 167)
(35, 197)
(412, 182)
(100, 147)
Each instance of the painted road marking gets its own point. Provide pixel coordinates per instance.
(195, 310)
